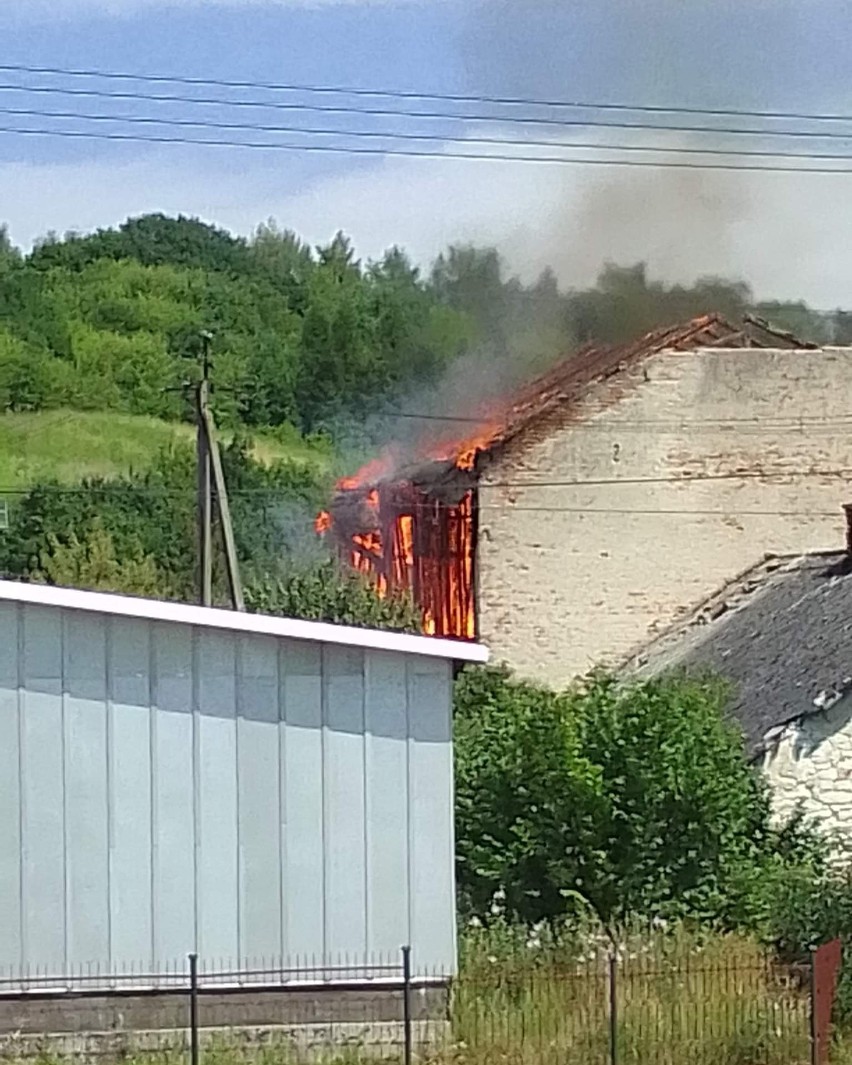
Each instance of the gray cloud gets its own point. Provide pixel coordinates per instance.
(787, 234)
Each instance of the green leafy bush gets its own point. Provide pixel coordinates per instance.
(618, 801)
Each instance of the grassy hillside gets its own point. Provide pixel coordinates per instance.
(67, 445)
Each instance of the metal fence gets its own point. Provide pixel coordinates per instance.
(304, 1010)
(680, 1008)
(684, 1011)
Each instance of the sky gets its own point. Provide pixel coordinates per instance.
(788, 235)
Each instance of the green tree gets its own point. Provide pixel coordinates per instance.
(92, 563)
(338, 351)
(30, 378)
(9, 255)
(282, 256)
(153, 240)
(624, 303)
(619, 800)
(470, 280)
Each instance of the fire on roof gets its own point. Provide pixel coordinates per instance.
(412, 527)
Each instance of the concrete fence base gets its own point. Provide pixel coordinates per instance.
(291, 1043)
(300, 1025)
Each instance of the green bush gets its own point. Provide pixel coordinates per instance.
(619, 801)
(322, 591)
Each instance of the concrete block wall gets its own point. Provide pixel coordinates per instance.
(573, 577)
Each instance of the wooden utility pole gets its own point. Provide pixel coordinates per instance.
(235, 584)
(205, 500)
(210, 472)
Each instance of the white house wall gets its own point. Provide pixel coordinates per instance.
(809, 767)
(167, 788)
(575, 575)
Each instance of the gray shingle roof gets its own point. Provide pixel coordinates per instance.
(782, 634)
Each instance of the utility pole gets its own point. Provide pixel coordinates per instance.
(205, 495)
(210, 472)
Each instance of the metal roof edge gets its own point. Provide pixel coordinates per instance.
(234, 621)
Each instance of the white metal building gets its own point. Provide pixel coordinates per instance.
(177, 778)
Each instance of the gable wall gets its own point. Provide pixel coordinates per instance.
(570, 577)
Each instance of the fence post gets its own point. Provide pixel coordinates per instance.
(825, 967)
(193, 1009)
(613, 1008)
(406, 1005)
(812, 979)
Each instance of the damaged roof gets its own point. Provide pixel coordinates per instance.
(555, 394)
(568, 381)
(781, 634)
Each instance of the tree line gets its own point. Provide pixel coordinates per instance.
(307, 336)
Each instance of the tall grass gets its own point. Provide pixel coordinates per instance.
(67, 445)
(678, 1001)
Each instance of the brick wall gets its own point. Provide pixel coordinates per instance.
(571, 577)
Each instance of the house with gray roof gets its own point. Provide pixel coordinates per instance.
(781, 635)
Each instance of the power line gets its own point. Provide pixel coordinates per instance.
(507, 508)
(742, 475)
(721, 512)
(348, 109)
(686, 423)
(627, 511)
(402, 94)
(413, 153)
(420, 137)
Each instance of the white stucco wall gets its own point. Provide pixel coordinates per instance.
(570, 577)
(809, 765)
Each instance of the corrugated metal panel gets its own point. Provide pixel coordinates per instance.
(168, 788)
(130, 782)
(43, 793)
(430, 812)
(259, 801)
(10, 789)
(303, 889)
(173, 799)
(387, 795)
(344, 822)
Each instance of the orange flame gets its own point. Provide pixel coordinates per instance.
(417, 545)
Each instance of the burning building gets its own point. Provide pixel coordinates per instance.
(608, 495)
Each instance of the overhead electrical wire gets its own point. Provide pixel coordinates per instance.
(349, 109)
(405, 94)
(745, 475)
(414, 153)
(791, 421)
(420, 137)
(721, 512)
(552, 152)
